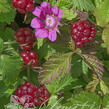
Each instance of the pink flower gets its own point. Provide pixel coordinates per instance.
(47, 21)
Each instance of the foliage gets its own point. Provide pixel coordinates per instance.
(77, 78)
(86, 100)
(105, 37)
(86, 5)
(101, 13)
(6, 9)
(60, 84)
(10, 68)
(4, 6)
(55, 67)
(95, 64)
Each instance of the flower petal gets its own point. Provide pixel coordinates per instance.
(36, 23)
(46, 7)
(44, 4)
(55, 10)
(39, 13)
(52, 35)
(60, 14)
(41, 33)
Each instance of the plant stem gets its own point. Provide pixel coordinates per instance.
(92, 22)
(28, 72)
(12, 42)
(98, 42)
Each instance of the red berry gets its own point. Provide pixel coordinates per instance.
(20, 10)
(25, 38)
(82, 32)
(29, 7)
(24, 95)
(42, 97)
(30, 95)
(30, 57)
(21, 3)
(23, 6)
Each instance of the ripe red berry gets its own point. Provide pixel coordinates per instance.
(25, 38)
(82, 32)
(23, 6)
(30, 57)
(25, 95)
(42, 96)
(30, 95)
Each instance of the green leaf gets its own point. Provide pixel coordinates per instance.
(9, 34)
(45, 51)
(3, 101)
(64, 3)
(102, 13)
(60, 84)
(105, 37)
(4, 6)
(10, 68)
(4, 90)
(1, 44)
(2, 28)
(7, 12)
(91, 86)
(95, 64)
(11, 15)
(33, 77)
(85, 67)
(52, 100)
(83, 100)
(68, 14)
(98, 3)
(86, 5)
(106, 102)
(40, 42)
(76, 65)
(86, 100)
(57, 66)
(52, 2)
(104, 88)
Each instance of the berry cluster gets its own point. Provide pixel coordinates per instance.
(82, 32)
(30, 95)
(30, 57)
(23, 6)
(25, 38)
